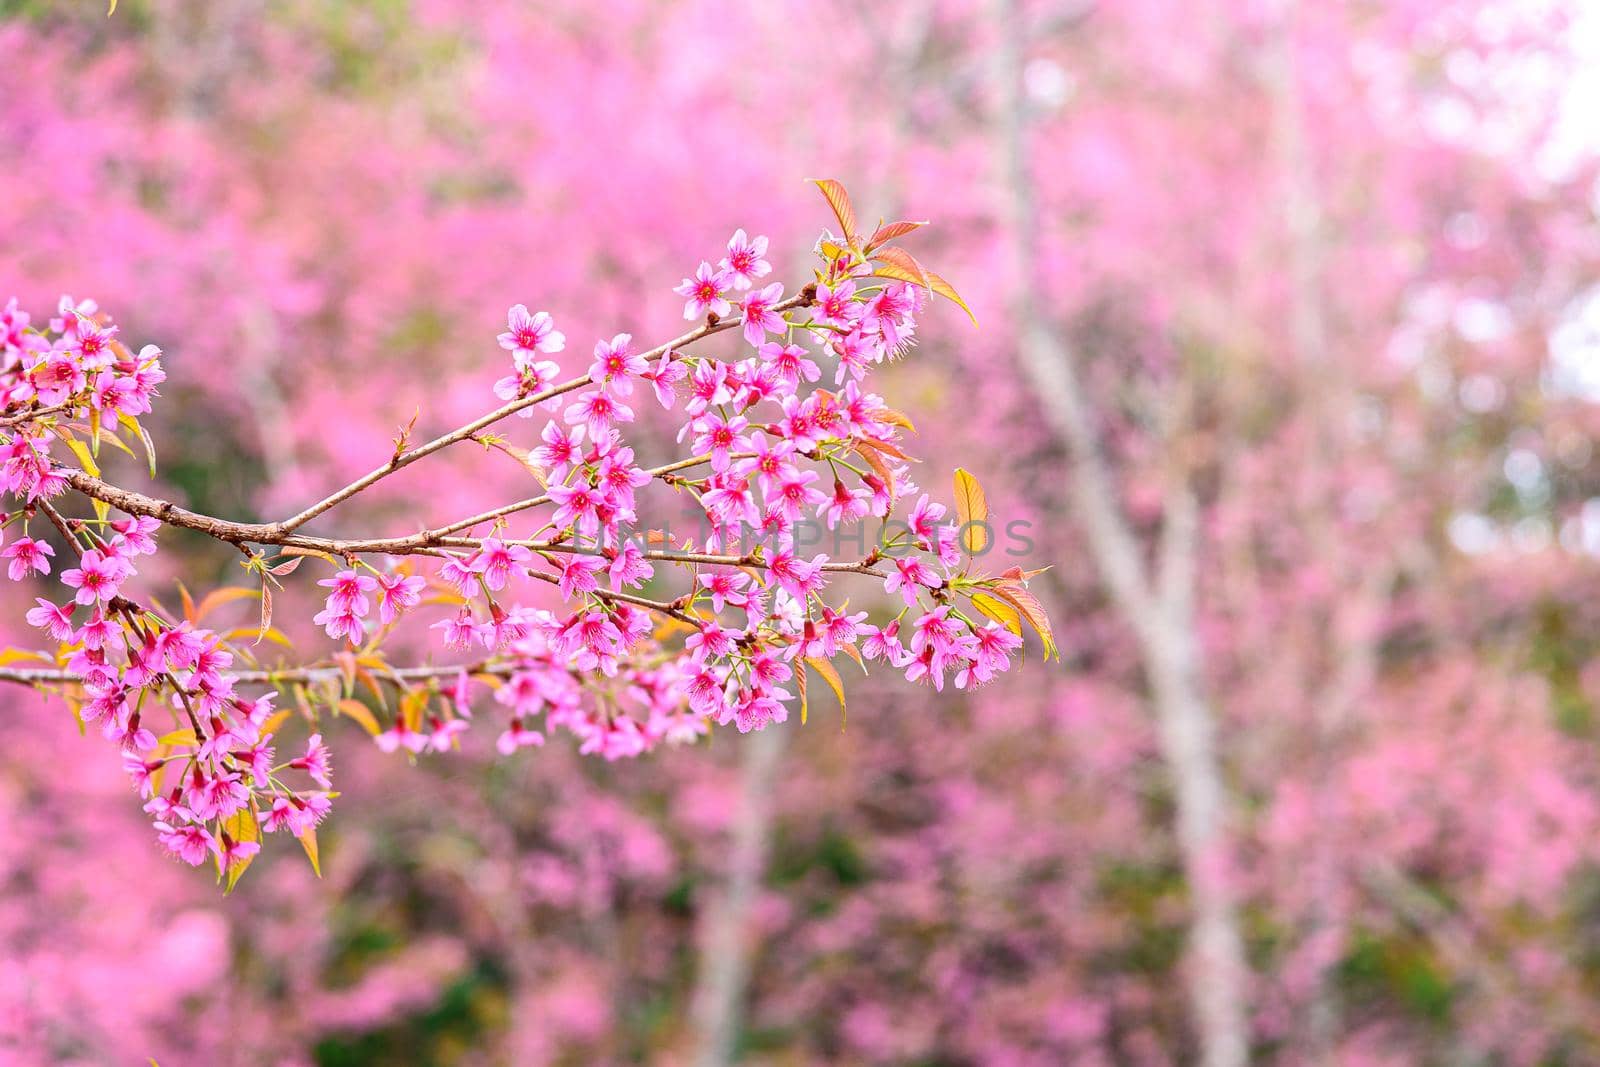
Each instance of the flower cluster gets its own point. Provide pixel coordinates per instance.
(776, 461)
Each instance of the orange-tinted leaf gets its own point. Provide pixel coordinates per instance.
(266, 612)
(888, 447)
(839, 200)
(218, 597)
(829, 675)
(1030, 608)
(972, 511)
(889, 231)
(904, 262)
(897, 418)
(308, 841)
(360, 713)
(800, 684)
(999, 611)
(879, 467)
(925, 278)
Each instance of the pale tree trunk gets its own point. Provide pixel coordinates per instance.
(1155, 602)
(726, 933)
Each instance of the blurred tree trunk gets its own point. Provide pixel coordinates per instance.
(725, 946)
(1155, 601)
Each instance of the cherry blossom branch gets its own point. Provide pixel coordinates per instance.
(598, 666)
(424, 542)
(289, 675)
(403, 459)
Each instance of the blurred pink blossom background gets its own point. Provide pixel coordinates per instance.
(1288, 349)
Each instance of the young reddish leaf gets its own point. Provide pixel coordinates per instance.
(972, 511)
(889, 231)
(887, 447)
(879, 467)
(839, 200)
(903, 261)
(266, 612)
(1032, 610)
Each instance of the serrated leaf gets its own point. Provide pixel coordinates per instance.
(890, 230)
(905, 262)
(929, 280)
(839, 200)
(972, 511)
(1030, 608)
(184, 736)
